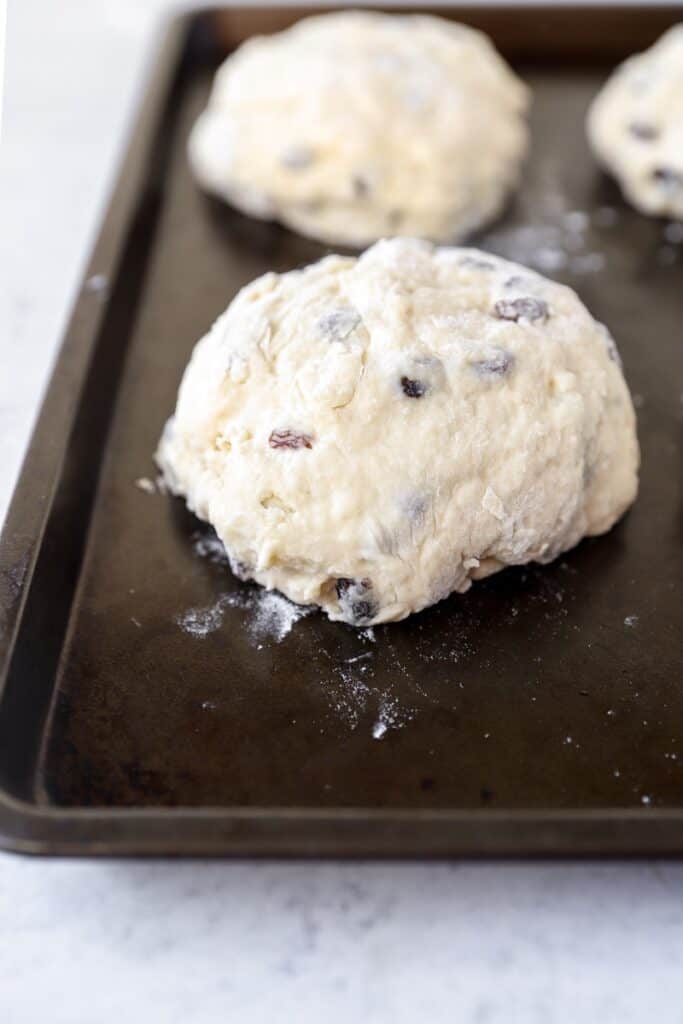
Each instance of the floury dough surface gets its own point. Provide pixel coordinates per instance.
(372, 434)
(354, 126)
(636, 126)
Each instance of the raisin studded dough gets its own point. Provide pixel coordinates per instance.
(371, 434)
(354, 126)
(635, 126)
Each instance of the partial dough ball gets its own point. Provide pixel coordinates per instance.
(372, 434)
(354, 126)
(635, 126)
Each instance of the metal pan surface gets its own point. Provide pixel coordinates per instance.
(151, 703)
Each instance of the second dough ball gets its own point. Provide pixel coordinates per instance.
(353, 126)
(635, 126)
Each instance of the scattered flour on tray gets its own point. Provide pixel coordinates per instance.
(391, 715)
(156, 486)
(16, 575)
(348, 683)
(97, 284)
(349, 693)
(199, 622)
(554, 236)
(145, 484)
(272, 616)
(354, 696)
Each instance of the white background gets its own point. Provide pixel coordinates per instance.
(91, 942)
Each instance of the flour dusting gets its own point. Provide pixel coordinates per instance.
(359, 657)
(391, 715)
(16, 575)
(270, 615)
(554, 237)
(98, 284)
(199, 622)
(145, 484)
(149, 486)
(274, 616)
(349, 693)
(356, 699)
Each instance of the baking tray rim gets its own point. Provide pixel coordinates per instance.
(30, 828)
(338, 832)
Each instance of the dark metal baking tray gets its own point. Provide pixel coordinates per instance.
(540, 714)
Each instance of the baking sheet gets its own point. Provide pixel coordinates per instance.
(151, 702)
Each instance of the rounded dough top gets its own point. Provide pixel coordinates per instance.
(635, 126)
(352, 126)
(371, 434)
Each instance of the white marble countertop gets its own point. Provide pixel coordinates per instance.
(99, 942)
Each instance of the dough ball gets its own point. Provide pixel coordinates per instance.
(353, 126)
(635, 126)
(372, 434)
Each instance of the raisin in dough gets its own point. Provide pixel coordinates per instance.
(635, 126)
(372, 434)
(354, 126)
